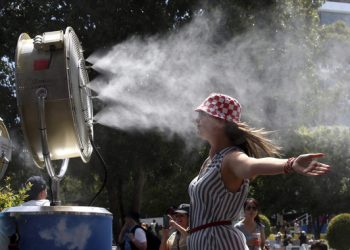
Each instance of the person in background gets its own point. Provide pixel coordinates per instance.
(37, 193)
(238, 153)
(132, 236)
(155, 228)
(287, 240)
(296, 227)
(251, 226)
(319, 245)
(179, 223)
(278, 241)
(303, 238)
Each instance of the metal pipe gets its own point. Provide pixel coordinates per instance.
(55, 179)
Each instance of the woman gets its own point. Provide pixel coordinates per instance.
(179, 223)
(251, 226)
(132, 236)
(219, 191)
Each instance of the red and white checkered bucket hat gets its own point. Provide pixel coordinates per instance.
(221, 106)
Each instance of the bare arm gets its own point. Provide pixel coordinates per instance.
(262, 237)
(245, 167)
(173, 224)
(121, 234)
(139, 245)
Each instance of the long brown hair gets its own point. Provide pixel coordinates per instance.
(253, 142)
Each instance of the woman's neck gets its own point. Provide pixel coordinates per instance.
(214, 149)
(249, 221)
(218, 140)
(249, 224)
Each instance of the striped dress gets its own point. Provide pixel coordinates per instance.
(211, 202)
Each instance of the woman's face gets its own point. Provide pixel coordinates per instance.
(181, 219)
(251, 210)
(208, 126)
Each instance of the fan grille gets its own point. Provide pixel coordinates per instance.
(80, 93)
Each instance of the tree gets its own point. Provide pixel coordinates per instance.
(339, 229)
(311, 195)
(150, 159)
(10, 197)
(7, 92)
(97, 24)
(147, 171)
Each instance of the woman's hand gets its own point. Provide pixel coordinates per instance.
(307, 165)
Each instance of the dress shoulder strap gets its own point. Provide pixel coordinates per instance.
(218, 158)
(227, 150)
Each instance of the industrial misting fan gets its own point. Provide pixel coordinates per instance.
(54, 101)
(5, 148)
(57, 121)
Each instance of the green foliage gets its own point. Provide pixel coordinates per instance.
(8, 107)
(318, 196)
(338, 232)
(11, 198)
(264, 220)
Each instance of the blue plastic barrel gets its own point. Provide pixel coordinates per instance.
(62, 227)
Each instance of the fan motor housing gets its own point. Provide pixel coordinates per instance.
(54, 62)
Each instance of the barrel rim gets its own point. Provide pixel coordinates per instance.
(78, 210)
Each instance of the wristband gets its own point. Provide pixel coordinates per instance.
(288, 166)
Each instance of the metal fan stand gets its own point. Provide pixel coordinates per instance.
(55, 179)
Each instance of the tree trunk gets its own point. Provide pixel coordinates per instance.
(115, 197)
(317, 226)
(138, 189)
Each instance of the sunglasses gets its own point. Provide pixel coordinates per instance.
(251, 208)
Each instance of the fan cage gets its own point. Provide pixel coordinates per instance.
(81, 94)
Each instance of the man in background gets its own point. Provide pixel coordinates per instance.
(37, 193)
(155, 228)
